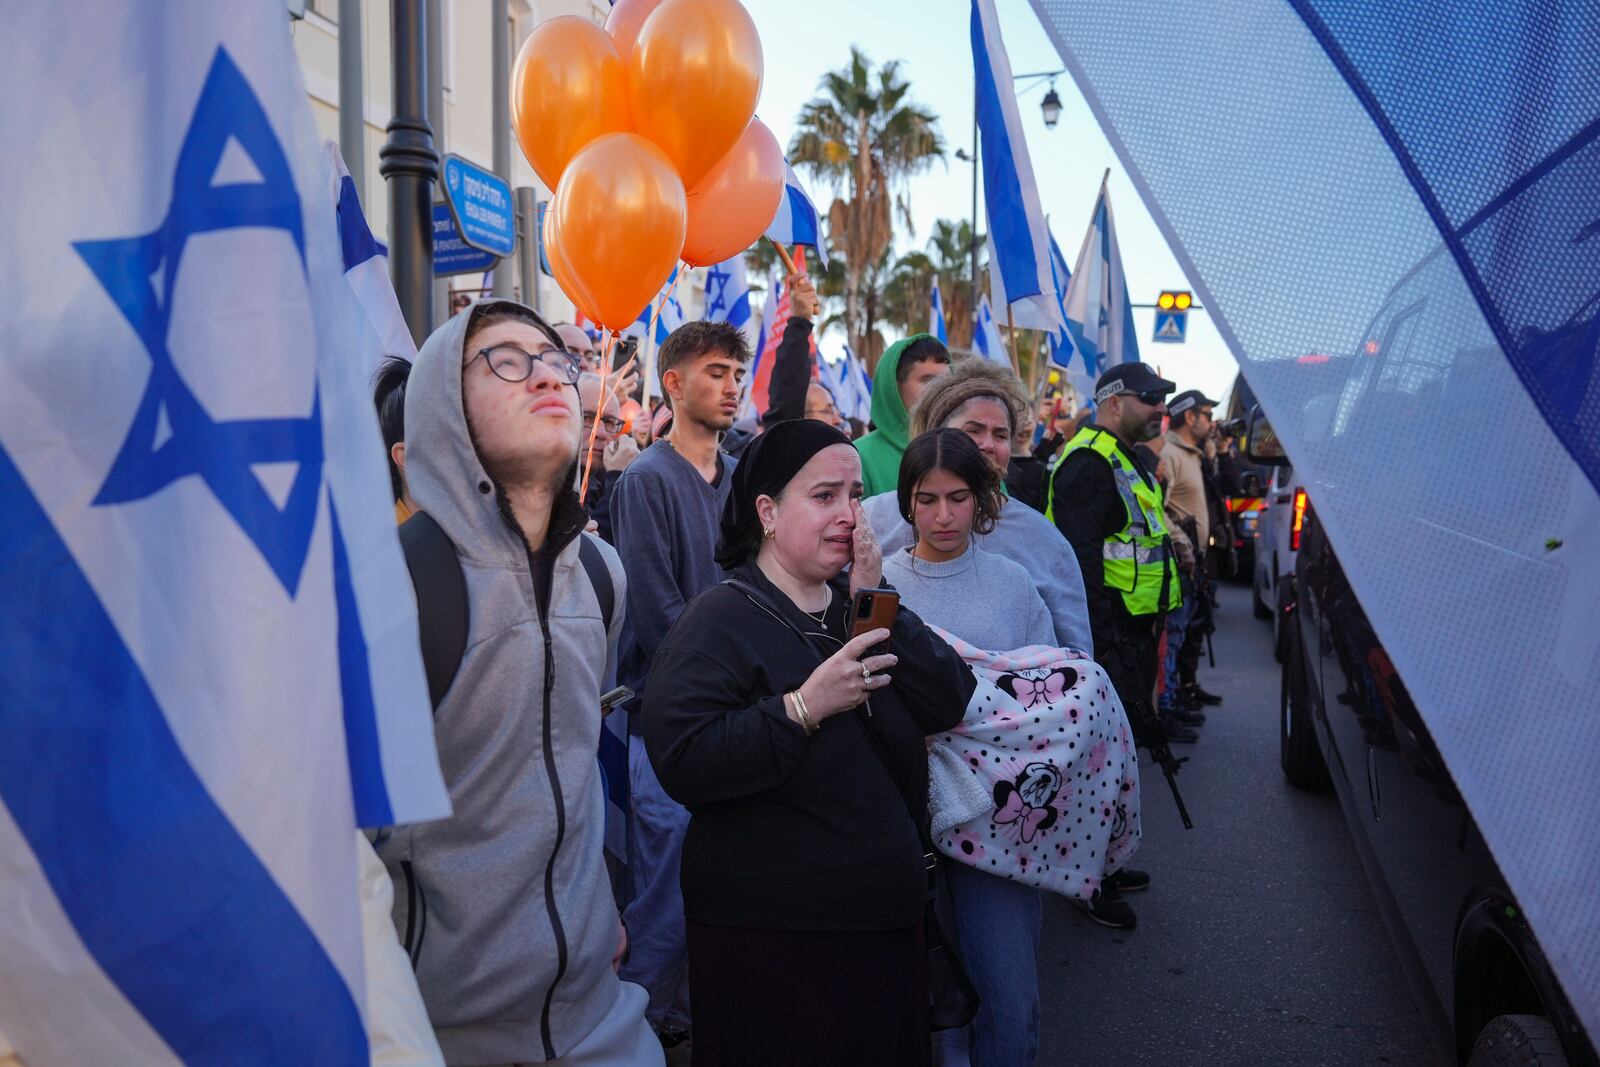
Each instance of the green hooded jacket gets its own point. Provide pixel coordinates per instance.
(882, 448)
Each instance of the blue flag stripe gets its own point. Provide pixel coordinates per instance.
(367, 782)
(805, 219)
(355, 237)
(165, 894)
(1008, 217)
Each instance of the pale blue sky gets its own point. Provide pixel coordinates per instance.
(931, 39)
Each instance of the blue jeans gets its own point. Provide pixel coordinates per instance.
(658, 950)
(998, 922)
(1177, 630)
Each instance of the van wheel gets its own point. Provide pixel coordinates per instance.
(1298, 753)
(1517, 1041)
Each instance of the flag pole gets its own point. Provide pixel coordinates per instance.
(1011, 328)
(783, 254)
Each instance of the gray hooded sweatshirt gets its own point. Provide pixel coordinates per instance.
(505, 906)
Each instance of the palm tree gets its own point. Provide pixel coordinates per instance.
(949, 253)
(860, 135)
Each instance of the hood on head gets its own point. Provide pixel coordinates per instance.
(443, 472)
(889, 415)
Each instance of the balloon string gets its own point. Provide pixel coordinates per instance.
(655, 316)
(600, 413)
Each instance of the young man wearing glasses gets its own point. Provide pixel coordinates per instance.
(1108, 504)
(505, 906)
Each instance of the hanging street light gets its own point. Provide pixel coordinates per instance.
(1051, 107)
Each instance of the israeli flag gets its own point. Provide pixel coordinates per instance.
(366, 266)
(1099, 313)
(1025, 313)
(859, 384)
(208, 645)
(936, 324)
(665, 311)
(727, 292)
(986, 337)
(1019, 241)
(797, 221)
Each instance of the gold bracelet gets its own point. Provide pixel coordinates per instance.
(805, 717)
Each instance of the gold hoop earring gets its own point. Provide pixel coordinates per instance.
(767, 534)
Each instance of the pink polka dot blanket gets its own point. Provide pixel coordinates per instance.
(1040, 781)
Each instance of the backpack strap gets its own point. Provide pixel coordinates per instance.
(441, 591)
(594, 565)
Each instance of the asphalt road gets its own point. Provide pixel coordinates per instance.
(1259, 941)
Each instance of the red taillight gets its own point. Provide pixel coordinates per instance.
(1299, 520)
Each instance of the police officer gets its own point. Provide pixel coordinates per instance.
(1109, 505)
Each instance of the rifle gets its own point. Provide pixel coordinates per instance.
(1162, 754)
(1149, 731)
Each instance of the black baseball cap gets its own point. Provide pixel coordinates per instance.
(1130, 378)
(1190, 398)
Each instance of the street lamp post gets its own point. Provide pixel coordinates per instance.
(410, 166)
(500, 115)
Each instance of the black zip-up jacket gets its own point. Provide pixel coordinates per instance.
(789, 832)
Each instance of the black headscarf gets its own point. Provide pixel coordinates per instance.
(768, 464)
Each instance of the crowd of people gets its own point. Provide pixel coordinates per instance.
(771, 895)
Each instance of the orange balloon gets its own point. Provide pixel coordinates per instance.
(624, 21)
(693, 80)
(569, 283)
(569, 86)
(620, 216)
(733, 206)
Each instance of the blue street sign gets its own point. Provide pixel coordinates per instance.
(452, 255)
(481, 203)
(1171, 326)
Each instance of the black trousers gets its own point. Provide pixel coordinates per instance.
(787, 998)
(1129, 650)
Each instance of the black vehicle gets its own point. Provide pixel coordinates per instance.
(1348, 723)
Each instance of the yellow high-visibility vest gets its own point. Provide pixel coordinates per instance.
(1138, 559)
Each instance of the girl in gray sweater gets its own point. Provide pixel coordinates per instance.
(948, 492)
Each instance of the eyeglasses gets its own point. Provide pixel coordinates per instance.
(1152, 398)
(511, 364)
(829, 410)
(610, 422)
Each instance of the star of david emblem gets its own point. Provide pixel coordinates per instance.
(173, 436)
(717, 278)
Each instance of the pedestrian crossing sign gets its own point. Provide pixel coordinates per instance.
(1171, 325)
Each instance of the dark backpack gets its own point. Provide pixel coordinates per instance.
(442, 596)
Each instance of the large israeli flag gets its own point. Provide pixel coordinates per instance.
(936, 323)
(986, 335)
(208, 645)
(1448, 432)
(1098, 311)
(1019, 241)
(797, 221)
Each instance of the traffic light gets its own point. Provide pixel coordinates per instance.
(1172, 314)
